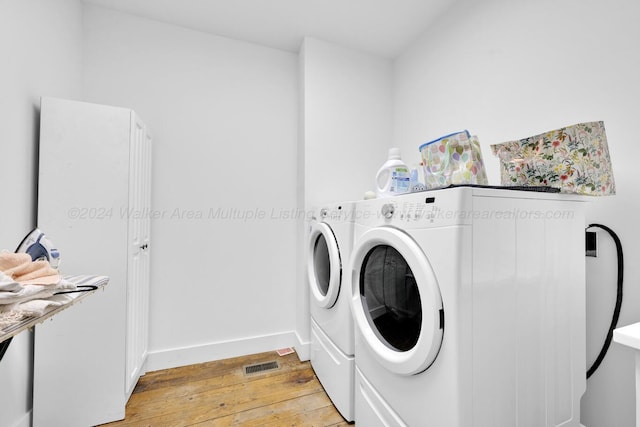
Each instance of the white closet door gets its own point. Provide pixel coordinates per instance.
(79, 355)
(145, 279)
(138, 268)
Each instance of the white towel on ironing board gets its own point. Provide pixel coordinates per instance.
(29, 292)
(38, 307)
(8, 284)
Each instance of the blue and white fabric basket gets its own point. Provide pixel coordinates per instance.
(453, 159)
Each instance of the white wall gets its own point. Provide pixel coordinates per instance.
(40, 41)
(346, 118)
(223, 114)
(509, 69)
(347, 121)
(224, 117)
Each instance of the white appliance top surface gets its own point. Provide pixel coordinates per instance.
(450, 206)
(628, 335)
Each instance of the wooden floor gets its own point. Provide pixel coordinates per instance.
(221, 394)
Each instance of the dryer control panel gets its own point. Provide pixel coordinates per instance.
(418, 210)
(425, 209)
(421, 211)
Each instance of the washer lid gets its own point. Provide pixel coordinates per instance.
(324, 266)
(396, 301)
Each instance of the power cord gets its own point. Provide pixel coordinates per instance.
(4, 345)
(618, 306)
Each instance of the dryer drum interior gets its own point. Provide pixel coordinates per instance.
(322, 264)
(390, 298)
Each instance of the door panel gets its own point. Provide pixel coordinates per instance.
(138, 269)
(396, 301)
(324, 265)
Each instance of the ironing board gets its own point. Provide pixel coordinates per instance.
(90, 285)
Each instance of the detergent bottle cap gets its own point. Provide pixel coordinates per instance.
(394, 153)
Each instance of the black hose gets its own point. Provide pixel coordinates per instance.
(4, 345)
(618, 306)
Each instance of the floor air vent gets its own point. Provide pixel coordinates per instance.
(260, 367)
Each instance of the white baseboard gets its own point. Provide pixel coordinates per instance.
(175, 357)
(303, 348)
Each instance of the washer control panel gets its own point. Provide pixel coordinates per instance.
(388, 210)
(433, 208)
(424, 209)
(336, 213)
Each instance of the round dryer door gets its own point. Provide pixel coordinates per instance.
(396, 301)
(324, 266)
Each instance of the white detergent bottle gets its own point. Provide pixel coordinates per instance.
(393, 177)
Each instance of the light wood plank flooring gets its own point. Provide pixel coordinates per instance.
(220, 393)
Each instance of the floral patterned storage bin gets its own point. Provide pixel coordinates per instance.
(574, 159)
(453, 159)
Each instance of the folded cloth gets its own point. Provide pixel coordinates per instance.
(30, 292)
(38, 300)
(38, 307)
(9, 260)
(22, 269)
(9, 318)
(8, 284)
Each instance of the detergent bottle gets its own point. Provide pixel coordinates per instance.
(393, 178)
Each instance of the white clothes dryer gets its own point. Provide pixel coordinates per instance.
(469, 308)
(330, 241)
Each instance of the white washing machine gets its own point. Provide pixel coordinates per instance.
(332, 342)
(469, 308)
